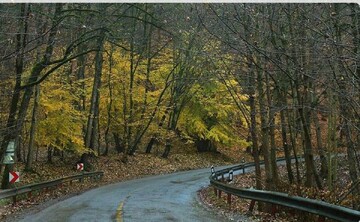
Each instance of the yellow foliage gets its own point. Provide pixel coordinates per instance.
(211, 115)
(146, 90)
(59, 123)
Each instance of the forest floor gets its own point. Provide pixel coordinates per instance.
(115, 170)
(241, 206)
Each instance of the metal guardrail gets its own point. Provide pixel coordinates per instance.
(28, 189)
(321, 208)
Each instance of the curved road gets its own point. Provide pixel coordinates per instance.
(169, 197)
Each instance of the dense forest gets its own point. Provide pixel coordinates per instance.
(101, 79)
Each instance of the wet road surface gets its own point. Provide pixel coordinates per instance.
(171, 197)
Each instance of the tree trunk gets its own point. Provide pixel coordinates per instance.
(323, 161)
(271, 124)
(150, 144)
(92, 123)
(35, 73)
(345, 104)
(305, 103)
(80, 74)
(130, 147)
(85, 159)
(81, 103)
(356, 42)
(309, 158)
(345, 113)
(161, 123)
(264, 131)
(255, 147)
(304, 111)
(50, 154)
(205, 145)
(251, 79)
(286, 147)
(109, 106)
(118, 143)
(95, 138)
(30, 154)
(167, 149)
(21, 42)
(332, 141)
(143, 131)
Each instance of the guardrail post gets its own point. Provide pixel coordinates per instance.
(229, 199)
(29, 194)
(14, 200)
(273, 209)
(274, 200)
(252, 205)
(231, 176)
(212, 170)
(321, 219)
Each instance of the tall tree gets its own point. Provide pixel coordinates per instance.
(35, 73)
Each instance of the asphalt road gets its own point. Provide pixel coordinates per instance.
(171, 197)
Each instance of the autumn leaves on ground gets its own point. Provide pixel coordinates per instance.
(337, 195)
(115, 170)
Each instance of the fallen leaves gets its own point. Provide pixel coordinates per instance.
(114, 169)
(241, 206)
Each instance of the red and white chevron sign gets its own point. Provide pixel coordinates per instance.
(80, 166)
(14, 177)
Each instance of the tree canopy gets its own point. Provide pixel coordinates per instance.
(269, 78)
